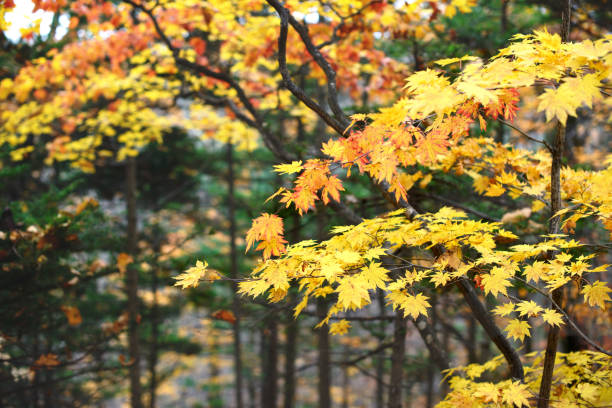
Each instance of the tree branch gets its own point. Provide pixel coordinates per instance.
(525, 134)
(270, 140)
(330, 74)
(553, 228)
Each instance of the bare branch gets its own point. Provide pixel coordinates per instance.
(330, 74)
(525, 134)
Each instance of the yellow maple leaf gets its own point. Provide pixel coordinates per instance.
(375, 275)
(558, 103)
(596, 294)
(495, 190)
(340, 328)
(414, 305)
(440, 278)
(479, 93)
(293, 167)
(352, 293)
(448, 61)
(496, 282)
(504, 310)
(528, 308)
(516, 394)
(535, 271)
(489, 392)
(193, 275)
(552, 317)
(518, 329)
(254, 287)
(588, 392)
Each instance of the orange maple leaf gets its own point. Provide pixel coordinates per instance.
(267, 228)
(429, 146)
(72, 314)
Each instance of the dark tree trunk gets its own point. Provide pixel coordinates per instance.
(346, 384)
(398, 353)
(471, 343)
(251, 385)
(132, 285)
(234, 275)
(504, 16)
(429, 402)
(291, 332)
(553, 228)
(269, 354)
(380, 358)
(154, 343)
(290, 356)
(323, 362)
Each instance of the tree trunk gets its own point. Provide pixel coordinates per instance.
(504, 16)
(398, 353)
(553, 228)
(323, 341)
(291, 331)
(429, 390)
(234, 275)
(154, 318)
(154, 344)
(323, 363)
(270, 358)
(251, 386)
(132, 286)
(346, 384)
(380, 358)
(214, 390)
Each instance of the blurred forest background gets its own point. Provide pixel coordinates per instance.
(137, 168)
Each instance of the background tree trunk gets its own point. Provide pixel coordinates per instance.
(269, 388)
(291, 332)
(132, 285)
(398, 353)
(234, 275)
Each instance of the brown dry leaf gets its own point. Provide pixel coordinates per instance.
(123, 260)
(124, 362)
(72, 314)
(513, 217)
(46, 360)
(226, 315)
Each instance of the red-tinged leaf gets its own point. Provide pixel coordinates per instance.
(225, 315)
(124, 362)
(429, 146)
(198, 44)
(267, 228)
(398, 189)
(272, 247)
(332, 188)
(483, 123)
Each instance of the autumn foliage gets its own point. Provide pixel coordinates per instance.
(319, 86)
